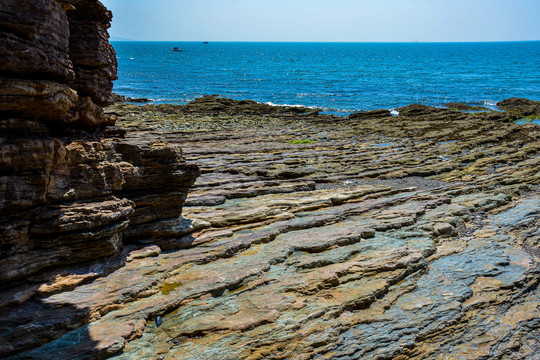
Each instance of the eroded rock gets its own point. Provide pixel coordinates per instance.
(68, 187)
(375, 114)
(423, 228)
(520, 107)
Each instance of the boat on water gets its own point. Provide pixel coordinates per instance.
(205, 42)
(176, 49)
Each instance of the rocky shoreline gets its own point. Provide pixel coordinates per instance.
(227, 229)
(407, 237)
(311, 236)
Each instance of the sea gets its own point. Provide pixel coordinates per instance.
(338, 78)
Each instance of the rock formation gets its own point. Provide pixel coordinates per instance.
(406, 237)
(71, 188)
(521, 107)
(375, 114)
(309, 236)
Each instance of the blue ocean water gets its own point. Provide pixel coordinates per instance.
(337, 77)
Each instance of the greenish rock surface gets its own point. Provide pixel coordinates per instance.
(406, 237)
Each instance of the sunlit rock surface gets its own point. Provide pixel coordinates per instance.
(312, 237)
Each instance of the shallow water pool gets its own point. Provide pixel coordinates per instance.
(524, 121)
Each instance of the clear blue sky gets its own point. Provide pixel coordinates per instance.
(326, 20)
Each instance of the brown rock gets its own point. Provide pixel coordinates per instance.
(38, 99)
(213, 104)
(67, 235)
(464, 107)
(375, 114)
(67, 56)
(430, 113)
(64, 200)
(520, 106)
(34, 40)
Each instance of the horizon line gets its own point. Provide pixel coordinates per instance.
(327, 42)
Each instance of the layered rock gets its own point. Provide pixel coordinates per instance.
(367, 115)
(407, 237)
(311, 236)
(93, 58)
(69, 186)
(521, 107)
(57, 64)
(215, 105)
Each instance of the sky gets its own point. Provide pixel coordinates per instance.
(325, 20)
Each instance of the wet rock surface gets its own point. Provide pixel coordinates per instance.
(311, 237)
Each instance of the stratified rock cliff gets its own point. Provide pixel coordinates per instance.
(69, 185)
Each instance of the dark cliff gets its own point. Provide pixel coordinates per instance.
(71, 185)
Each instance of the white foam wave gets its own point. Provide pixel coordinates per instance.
(334, 110)
(314, 95)
(173, 99)
(394, 112)
(289, 105)
(324, 109)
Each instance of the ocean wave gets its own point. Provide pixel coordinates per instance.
(315, 95)
(487, 103)
(289, 105)
(490, 102)
(171, 101)
(336, 110)
(324, 109)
